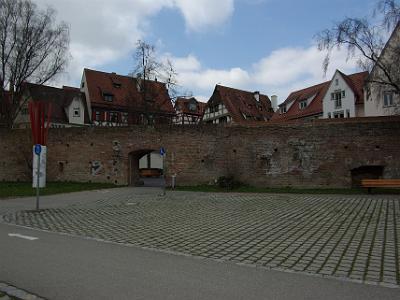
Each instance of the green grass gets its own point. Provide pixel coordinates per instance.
(24, 189)
(249, 189)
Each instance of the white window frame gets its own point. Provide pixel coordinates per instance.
(387, 99)
(76, 112)
(303, 104)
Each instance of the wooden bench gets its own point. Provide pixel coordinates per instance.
(385, 183)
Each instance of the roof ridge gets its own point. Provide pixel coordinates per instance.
(235, 89)
(313, 86)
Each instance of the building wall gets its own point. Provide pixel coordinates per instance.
(321, 153)
(348, 102)
(374, 105)
(374, 100)
(76, 103)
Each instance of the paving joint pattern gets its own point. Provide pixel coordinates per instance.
(347, 237)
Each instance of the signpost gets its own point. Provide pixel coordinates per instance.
(162, 153)
(38, 150)
(40, 116)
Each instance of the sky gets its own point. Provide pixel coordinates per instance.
(255, 45)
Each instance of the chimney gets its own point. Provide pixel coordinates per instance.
(274, 102)
(257, 96)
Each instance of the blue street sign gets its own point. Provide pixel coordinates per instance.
(38, 149)
(162, 151)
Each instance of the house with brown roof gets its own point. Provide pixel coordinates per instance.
(68, 105)
(305, 104)
(341, 97)
(345, 96)
(383, 99)
(188, 111)
(229, 105)
(117, 100)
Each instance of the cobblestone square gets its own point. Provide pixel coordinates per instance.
(352, 237)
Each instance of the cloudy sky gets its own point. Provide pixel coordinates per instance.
(264, 45)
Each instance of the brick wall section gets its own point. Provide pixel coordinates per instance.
(318, 154)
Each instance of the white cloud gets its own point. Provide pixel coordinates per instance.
(103, 31)
(283, 71)
(200, 14)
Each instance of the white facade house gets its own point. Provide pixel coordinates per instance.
(76, 111)
(344, 97)
(382, 99)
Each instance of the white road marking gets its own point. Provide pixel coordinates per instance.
(26, 237)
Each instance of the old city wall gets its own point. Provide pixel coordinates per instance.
(318, 154)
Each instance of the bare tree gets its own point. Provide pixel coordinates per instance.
(366, 41)
(390, 10)
(33, 48)
(148, 68)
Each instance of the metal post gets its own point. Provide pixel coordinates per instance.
(37, 182)
(164, 177)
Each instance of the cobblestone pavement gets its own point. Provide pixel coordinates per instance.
(352, 237)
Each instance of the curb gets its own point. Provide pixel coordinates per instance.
(12, 291)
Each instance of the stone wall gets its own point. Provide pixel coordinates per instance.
(318, 154)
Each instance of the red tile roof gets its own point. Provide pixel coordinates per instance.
(183, 105)
(355, 82)
(313, 108)
(125, 93)
(240, 103)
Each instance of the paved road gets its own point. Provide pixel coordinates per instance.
(58, 266)
(351, 237)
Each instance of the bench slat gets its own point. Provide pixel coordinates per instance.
(380, 183)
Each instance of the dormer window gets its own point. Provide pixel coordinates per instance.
(192, 106)
(303, 104)
(108, 97)
(283, 109)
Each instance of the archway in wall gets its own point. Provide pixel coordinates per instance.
(365, 172)
(145, 168)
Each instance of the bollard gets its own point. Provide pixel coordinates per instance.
(173, 181)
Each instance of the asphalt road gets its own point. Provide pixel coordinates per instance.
(57, 266)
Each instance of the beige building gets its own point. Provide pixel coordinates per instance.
(382, 99)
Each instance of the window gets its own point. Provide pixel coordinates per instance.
(97, 115)
(108, 97)
(303, 104)
(82, 84)
(338, 115)
(347, 113)
(113, 117)
(387, 99)
(192, 106)
(343, 94)
(124, 118)
(336, 81)
(117, 85)
(337, 97)
(283, 109)
(77, 112)
(329, 116)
